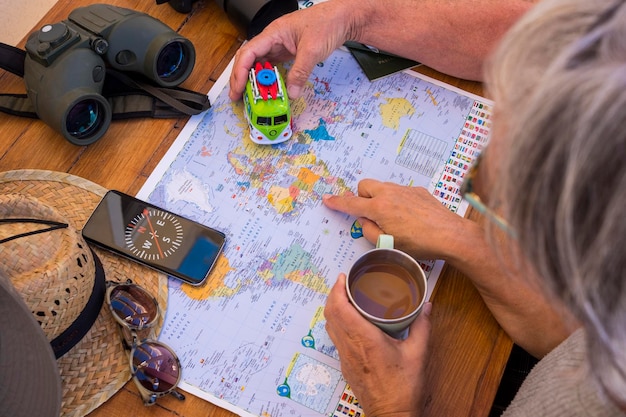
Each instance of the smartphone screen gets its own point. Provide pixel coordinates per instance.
(155, 237)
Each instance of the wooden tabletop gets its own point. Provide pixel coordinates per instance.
(469, 350)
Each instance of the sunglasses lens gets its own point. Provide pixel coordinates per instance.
(133, 305)
(156, 367)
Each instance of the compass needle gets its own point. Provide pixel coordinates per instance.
(146, 213)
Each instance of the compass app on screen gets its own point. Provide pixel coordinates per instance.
(154, 237)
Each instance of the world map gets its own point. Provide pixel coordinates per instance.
(252, 338)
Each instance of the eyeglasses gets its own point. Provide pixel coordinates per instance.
(154, 365)
(468, 193)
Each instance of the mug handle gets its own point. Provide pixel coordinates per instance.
(385, 241)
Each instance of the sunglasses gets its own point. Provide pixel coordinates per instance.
(468, 193)
(154, 365)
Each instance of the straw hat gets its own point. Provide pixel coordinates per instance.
(60, 279)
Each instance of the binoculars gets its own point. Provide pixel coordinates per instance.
(181, 6)
(66, 64)
(252, 16)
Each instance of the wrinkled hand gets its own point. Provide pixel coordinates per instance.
(310, 35)
(385, 374)
(419, 223)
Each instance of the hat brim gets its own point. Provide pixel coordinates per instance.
(24, 343)
(98, 366)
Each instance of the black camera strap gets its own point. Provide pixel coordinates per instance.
(129, 96)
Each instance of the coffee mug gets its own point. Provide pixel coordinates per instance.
(388, 287)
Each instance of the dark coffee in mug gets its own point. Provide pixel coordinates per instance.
(386, 290)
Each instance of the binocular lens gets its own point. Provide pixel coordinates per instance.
(172, 62)
(85, 119)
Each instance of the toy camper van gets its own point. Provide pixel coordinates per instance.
(267, 105)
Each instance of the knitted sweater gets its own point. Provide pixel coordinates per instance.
(560, 385)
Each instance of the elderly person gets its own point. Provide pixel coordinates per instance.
(451, 36)
(550, 185)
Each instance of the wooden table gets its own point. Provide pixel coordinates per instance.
(469, 349)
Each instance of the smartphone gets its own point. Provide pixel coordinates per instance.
(154, 237)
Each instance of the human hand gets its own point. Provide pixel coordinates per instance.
(310, 35)
(425, 229)
(420, 224)
(385, 374)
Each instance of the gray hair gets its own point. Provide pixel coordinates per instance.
(559, 83)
